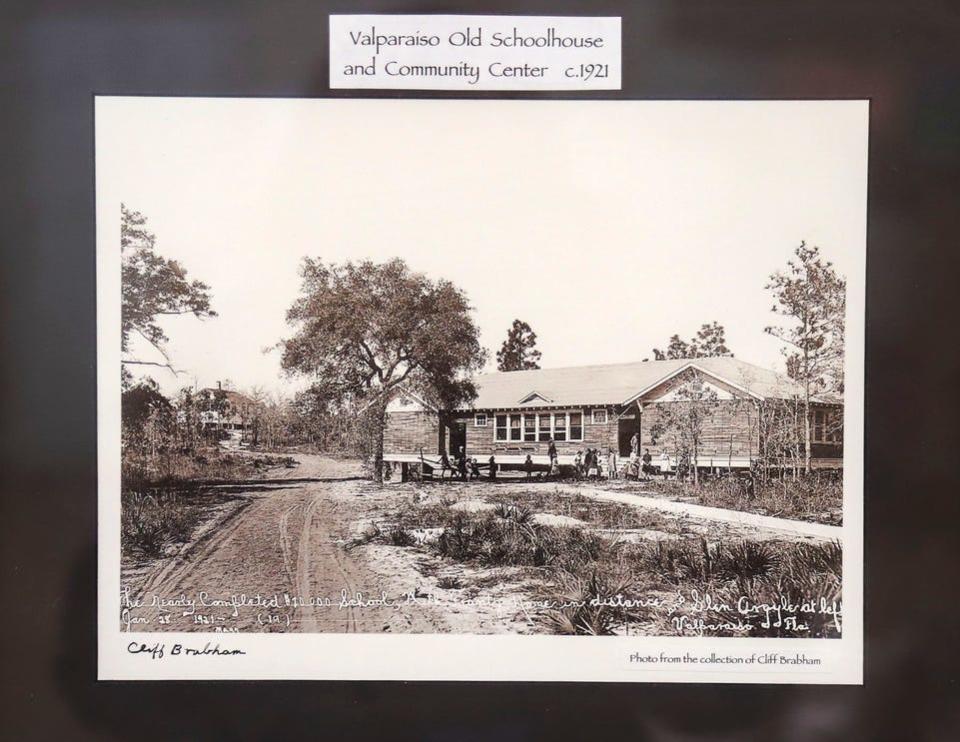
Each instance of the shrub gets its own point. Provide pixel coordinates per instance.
(148, 523)
(817, 496)
(584, 604)
(513, 512)
(513, 539)
(401, 537)
(747, 560)
(822, 558)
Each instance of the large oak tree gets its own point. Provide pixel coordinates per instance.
(362, 330)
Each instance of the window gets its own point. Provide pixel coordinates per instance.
(514, 427)
(576, 425)
(835, 429)
(501, 434)
(529, 427)
(826, 428)
(560, 426)
(599, 417)
(545, 426)
(480, 421)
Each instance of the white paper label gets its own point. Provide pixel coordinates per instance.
(474, 52)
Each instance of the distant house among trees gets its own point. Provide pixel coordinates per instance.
(226, 410)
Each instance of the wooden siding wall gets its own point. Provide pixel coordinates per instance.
(731, 431)
(409, 431)
(600, 435)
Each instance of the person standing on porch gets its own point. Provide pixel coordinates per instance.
(552, 451)
(528, 466)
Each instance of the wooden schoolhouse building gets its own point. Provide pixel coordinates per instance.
(516, 413)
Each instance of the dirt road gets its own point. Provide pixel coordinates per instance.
(277, 562)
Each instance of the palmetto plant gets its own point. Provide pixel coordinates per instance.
(583, 606)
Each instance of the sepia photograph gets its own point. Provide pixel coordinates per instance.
(454, 372)
(567, 369)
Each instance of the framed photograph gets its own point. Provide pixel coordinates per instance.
(490, 372)
(299, 351)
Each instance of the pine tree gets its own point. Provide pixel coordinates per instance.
(709, 341)
(813, 295)
(518, 352)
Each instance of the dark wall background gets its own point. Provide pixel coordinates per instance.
(55, 55)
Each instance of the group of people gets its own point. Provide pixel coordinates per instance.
(642, 466)
(591, 463)
(465, 467)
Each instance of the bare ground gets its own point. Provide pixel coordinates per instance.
(288, 554)
(309, 549)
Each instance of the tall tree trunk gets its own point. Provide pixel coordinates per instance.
(696, 475)
(379, 428)
(806, 429)
(806, 399)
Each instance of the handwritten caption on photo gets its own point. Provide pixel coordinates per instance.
(691, 613)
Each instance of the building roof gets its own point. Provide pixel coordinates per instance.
(620, 383)
(236, 399)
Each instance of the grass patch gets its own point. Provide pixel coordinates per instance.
(817, 497)
(149, 523)
(597, 586)
(163, 500)
(596, 513)
(208, 464)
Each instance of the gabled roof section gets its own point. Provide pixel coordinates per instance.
(534, 396)
(694, 365)
(616, 383)
(402, 393)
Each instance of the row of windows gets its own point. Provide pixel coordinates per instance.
(542, 426)
(599, 417)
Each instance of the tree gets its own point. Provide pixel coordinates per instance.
(138, 402)
(683, 419)
(709, 341)
(364, 329)
(518, 351)
(152, 287)
(147, 431)
(811, 294)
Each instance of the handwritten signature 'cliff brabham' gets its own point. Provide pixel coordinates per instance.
(158, 651)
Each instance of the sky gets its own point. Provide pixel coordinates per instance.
(608, 226)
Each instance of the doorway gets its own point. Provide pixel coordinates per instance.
(628, 425)
(458, 438)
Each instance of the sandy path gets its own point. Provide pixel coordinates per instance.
(277, 563)
(754, 521)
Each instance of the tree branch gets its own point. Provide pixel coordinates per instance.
(152, 363)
